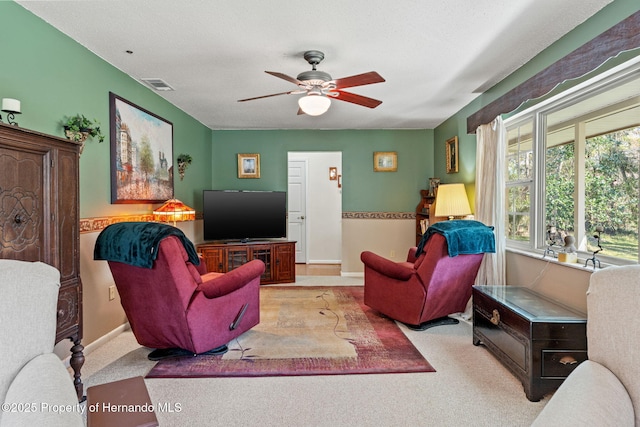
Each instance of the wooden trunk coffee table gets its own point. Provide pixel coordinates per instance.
(537, 339)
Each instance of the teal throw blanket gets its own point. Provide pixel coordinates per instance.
(136, 243)
(463, 237)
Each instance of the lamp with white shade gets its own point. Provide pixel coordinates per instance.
(452, 201)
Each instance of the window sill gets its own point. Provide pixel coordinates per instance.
(575, 265)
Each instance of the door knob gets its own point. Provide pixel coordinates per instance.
(301, 217)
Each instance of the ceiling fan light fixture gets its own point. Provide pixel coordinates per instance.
(314, 104)
(320, 87)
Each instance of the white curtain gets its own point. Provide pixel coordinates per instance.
(490, 196)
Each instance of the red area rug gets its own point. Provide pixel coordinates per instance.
(308, 331)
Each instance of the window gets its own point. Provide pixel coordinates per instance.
(519, 181)
(573, 168)
(611, 190)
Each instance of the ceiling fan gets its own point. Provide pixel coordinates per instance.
(319, 87)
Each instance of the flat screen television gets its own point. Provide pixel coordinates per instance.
(244, 215)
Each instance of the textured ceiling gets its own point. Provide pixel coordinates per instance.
(436, 56)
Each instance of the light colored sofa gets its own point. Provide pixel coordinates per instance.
(604, 390)
(35, 387)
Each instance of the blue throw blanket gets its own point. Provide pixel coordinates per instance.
(463, 237)
(136, 243)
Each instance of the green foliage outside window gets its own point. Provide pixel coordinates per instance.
(612, 186)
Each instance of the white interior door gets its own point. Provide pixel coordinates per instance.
(296, 202)
(316, 195)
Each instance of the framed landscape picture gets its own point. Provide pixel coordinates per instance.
(385, 161)
(141, 154)
(249, 165)
(452, 155)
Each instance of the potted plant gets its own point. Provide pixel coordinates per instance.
(184, 160)
(78, 128)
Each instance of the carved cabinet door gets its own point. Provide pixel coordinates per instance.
(23, 233)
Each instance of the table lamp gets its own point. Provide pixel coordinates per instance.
(451, 201)
(173, 210)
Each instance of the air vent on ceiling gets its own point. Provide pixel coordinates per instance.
(157, 84)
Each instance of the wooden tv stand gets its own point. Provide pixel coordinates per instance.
(278, 257)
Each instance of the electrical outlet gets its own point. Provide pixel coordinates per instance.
(393, 254)
(112, 292)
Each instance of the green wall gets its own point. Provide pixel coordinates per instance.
(363, 189)
(54, 76)
(609, 16)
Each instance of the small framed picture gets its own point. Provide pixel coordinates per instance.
(385, 161)
(248, 165)
(452, 155)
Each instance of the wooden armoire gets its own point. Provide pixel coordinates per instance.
(39, 219)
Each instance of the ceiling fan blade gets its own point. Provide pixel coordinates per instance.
(268, 96)
(356, 99)
(359, 80)
(284, 77)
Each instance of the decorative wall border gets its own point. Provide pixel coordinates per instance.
(378, 215)
(94, 225)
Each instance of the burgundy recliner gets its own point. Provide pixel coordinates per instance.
(422, 291)
(176, 310)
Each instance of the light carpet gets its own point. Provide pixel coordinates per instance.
(470, 387)
(307, 330)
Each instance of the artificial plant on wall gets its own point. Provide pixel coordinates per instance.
(184, 160)
(79, 128)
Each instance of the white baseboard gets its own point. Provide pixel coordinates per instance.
(324, 261)
(100, 341)
(352, 274)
